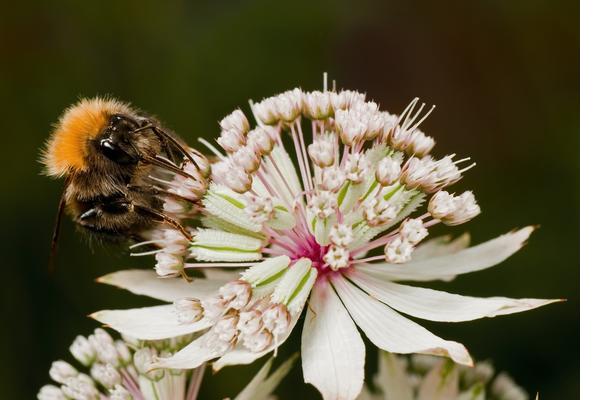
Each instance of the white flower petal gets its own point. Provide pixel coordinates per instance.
(193, 355)
(392, 332)
(148, 323)
(440, 246)
(261, 387)
(146, 283)
(445, 267)
(435, 305)
(333, 353)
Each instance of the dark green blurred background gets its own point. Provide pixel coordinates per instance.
(504, 75)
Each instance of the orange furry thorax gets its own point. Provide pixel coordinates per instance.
(68, 146)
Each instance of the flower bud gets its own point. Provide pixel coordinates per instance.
(276, 318)
(332, 179)
(246, 159)
(317, 105)
(51, 392)
(250, 322)
(188, 310)
(238, 180)
(60, 371)
(398, 251)
(236, 294)
(259, 140)
(466, 209)
(388, 171)
(379, 211)
(213, 307)
(231, 140)
(413, 231)
(226, 329)
(322, 204)
(236, 121)
(82, 350)
(259, 209)
(337, 257)
(167, 264)
(106, 375)
(80, 387)
(356, 167)
(266, 111)
(341, 235)
(322, 152)
(258, 341)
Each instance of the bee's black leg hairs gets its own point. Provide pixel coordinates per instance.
(168, 166)
(162, 134)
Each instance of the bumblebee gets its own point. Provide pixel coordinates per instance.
(107, 152)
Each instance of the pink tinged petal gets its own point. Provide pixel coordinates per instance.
(392, 332)
(446, 267)
(148, 323)
(435, 305)
(146, 283)
(333, 353)
(441, 246)
(440, 383)
(193, 355)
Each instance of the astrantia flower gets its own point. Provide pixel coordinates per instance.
(119, 370)
(422, 377)
(334, 220)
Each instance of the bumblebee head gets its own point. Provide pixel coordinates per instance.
(68, 147)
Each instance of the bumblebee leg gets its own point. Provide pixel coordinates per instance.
(164, 135)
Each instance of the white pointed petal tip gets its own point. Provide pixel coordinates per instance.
(148, 323)
(191, 356)
(147, 283)
(457, 352)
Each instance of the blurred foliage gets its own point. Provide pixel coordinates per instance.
(504, 76)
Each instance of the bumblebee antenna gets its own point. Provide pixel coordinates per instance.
(56, 231)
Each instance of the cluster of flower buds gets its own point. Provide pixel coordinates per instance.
(184, 193)
(400, 248)
(287, 106)
(430, 175)
(117, 369)
(172, 249)
(453, 210)
(364, 171)
(249, 312)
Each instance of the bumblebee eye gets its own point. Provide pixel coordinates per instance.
(114, 152)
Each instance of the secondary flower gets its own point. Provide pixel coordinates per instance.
(422, 377)
(119, 370)
(334, 221)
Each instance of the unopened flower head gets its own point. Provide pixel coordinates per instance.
(132, 377)
(332, 222)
